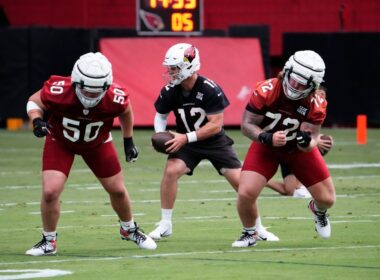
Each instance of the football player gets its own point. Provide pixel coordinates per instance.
(283, 118)
(81, 111)
(198, 104)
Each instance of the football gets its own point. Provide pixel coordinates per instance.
(159, 139)
(325, 137)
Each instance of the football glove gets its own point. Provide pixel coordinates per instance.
(40, 128)
(303, 138)
(130, 150)
(266, 138)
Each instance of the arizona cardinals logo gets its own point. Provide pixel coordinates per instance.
(152, 21)
(189, 54)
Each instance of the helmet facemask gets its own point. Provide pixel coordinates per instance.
(91, 76)
(303, 73)
(89, 97)
(297, 87)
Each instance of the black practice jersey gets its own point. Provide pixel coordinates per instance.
(191, 108)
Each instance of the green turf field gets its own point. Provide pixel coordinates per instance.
(205, 220)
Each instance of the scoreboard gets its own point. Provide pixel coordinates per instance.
(169, 17)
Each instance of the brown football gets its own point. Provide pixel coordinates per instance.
(159, 139)
(325, 137)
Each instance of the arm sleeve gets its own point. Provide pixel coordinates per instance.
(160, 121)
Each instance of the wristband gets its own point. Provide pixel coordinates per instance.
(191, 137)
(266, 138)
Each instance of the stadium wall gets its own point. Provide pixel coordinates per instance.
(281, 16)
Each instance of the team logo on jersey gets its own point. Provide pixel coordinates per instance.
(199, 95)
(189, 54)
(85, 112)
(302, 110)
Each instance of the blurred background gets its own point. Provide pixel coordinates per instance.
(241, 42)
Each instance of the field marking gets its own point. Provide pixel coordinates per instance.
(209, 219)
(353, 165)
(8, 204)
(62, 212)
(31, 273)
(180, 254)
(97, 186)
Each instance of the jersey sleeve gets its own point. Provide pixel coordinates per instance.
(54, 91)
(318, 110)
(163, 101)
(260, 97)
(215, 99)
(117, 99)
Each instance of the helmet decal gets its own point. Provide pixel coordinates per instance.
(185, 58)
(189, 54)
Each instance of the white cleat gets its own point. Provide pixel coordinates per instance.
(245, 240)
(322, 223)
(263, 235)
(138, 237)
(163, 229)
(301, 192)
(43, 248)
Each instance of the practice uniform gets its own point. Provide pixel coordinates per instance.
(78, 130)
(191, 109)
(281, 113)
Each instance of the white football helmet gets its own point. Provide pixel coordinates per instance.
(308, 69)
(92, 76)
(185, 58)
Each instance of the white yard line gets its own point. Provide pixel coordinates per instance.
(62, 212)
(353, 165)
(181, 254)
(96, 186)
(263, 197)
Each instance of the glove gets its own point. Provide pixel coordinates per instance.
(40, 128)
(303, 138)
(130, 150)
(266, 138)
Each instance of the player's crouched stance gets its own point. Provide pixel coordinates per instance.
(82, 108)
(283, 118)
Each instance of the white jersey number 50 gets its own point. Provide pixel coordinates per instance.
(72, 132)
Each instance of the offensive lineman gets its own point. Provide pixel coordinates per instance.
(82, 108)
(283, 118)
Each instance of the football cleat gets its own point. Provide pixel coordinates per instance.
(263, 235)
(245, 240)
(301, 192)
(322, 223)
(138, 237)
(43, 248)
(163, 229)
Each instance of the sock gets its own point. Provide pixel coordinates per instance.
(127, 225)
(166, 215)
(258, 223)
(317, 209)
(50, 235)
(250, 230)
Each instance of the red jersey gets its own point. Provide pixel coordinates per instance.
(282, 113)
(74, 125)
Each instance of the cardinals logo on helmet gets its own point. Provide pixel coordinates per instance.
(189, 54)
(152, 21)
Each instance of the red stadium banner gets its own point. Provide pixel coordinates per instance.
(234, 63)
